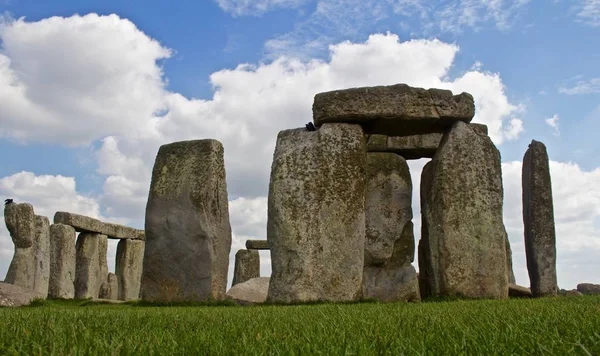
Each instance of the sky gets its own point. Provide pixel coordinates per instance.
(91, 89)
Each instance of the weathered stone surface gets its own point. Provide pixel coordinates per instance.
(517, 291)
(389, 243)
(83, 223)
(257, 244)
(538, 218)
(509, 264)
(41, 255)
(188, 235)
(589, 288)
(465, 243)
(110, 288)
(394, 110)
(91, 265)
(62, 261)
(129, 266)
(253, 291)
(16, 296)
(20, 222)
(316, 214)
(428, 273)
(412, 146)
(247, 266)
(573, 293)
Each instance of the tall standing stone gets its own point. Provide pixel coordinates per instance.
(538, 218)
(188, 235)
(316, 214)
(62, 261)
(465, 246)
(110, 288)
(41, 255)
(91, 268)
(129, 266)
(21, 223)
(247, 266)
(389, 245)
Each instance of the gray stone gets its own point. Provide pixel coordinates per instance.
(253, 291)
(465, 243)
(83, 223)
(396, 110)
(110, 288)
(538, 218)
(20, 222)
(389, 244)
(247, 266)
(129, 266)
(188, 235)
(41, 255)
(573, 293)
(16, 296)
(316, 214)
(412, 146)
(589, 288)
(91, 266)
(509, 264)
(62, 261)
(257, 244)
(517, 291)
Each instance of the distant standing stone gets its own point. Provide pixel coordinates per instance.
(589, 288)
(465, 240)
(41, 255)
(62, 261)
(91, 268)
(129, 266)
(21, 223)
(247, 266)
(538, 218)
(188, 235)
(110, 288)
(316, 214)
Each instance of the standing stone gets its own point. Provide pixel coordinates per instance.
(91, 267)
(110, 288)
(389, 245)
(21, 223)
(465, 244)
(188, 235)
(428, 273)
(509, 264)
(41, 255)
(316, 214)
(538, 218)
(129, 263)
(62, 261)
(247, 266)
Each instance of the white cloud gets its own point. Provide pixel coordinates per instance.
(553, 123)
(589, 86)
(256, 7)
(589, 12)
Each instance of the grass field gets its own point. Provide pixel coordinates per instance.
(553, 326)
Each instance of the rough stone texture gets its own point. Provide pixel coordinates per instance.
(517, 291)
(316, 214)
(464, 247)
(412, 146)
(253, 291)
(41, 255)
(509, 265)
(389, 243)
(247, 266)
(16, 296)
(589, 288)
(129, 266)
(257, 244)
(83, 223)
(110, 288)
(538, 218)
(394, 110)
(20, 222)
(91, 265)
(62, 261)
(573, 293)
(188, 235)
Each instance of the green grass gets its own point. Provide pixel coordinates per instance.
(552, 326)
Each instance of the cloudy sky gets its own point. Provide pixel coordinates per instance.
(89, 90)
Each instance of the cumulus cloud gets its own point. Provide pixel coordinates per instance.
(553, 123)
(120, 102)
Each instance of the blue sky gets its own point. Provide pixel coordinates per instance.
(90, 89)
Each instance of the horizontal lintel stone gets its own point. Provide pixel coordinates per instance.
(83, 223)
(257, 245)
